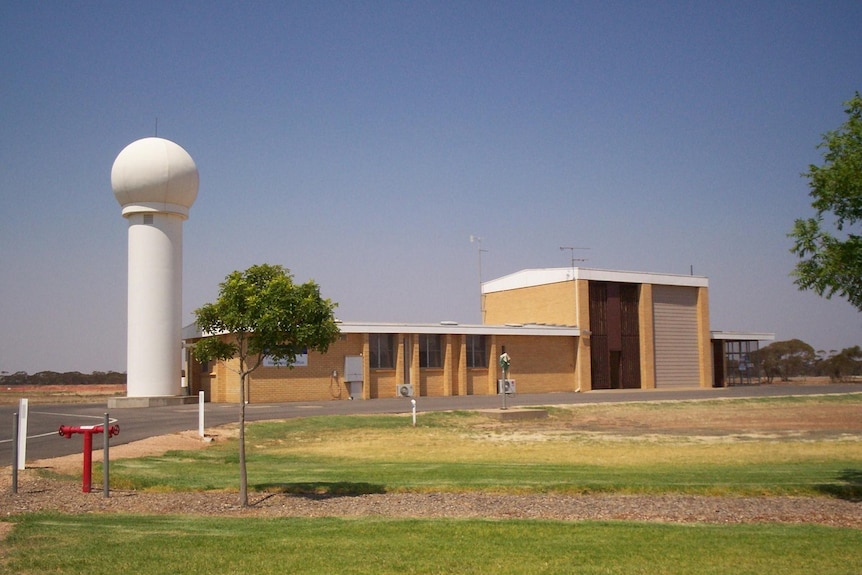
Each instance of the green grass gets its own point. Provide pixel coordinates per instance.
(462, 451)
(467, 451)
(213, 470)
(107, 545)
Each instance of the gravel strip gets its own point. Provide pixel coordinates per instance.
(37, 493)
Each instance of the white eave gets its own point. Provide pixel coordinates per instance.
(742, 335)
(453, 328)
(192, 331)
(536, 277)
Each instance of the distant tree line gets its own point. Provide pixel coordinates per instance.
(795, 358)
(66, 378)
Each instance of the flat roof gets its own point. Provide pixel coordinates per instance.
(451, 327)
(192, 331)
(536, 277)
(742, 335)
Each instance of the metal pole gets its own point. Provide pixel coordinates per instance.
(106, 488)
(15, 452)
(87, 480)
(505, 377)
(481, 296)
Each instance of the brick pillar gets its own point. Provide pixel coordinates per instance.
(492, 366)
(448, 365)
(704, 343)
(366, 367)
(646, 333)
(583, 365)
(462, 364)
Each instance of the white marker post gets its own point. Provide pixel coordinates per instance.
(201, 413)
(23, 408)
(106, 458)
(413, 402)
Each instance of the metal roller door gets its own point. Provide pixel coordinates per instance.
(676, 346)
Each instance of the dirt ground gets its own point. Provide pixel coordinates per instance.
(36, 394)
(717, 420)
(725, 419)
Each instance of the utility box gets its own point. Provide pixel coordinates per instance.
(353, 375)
(507, 386)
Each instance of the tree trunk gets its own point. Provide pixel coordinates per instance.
(243, 474)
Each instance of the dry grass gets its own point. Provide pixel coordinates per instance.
(685, 433)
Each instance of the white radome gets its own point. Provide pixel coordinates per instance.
(155, 175)
(156, 183)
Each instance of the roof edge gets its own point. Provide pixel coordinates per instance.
(543, 276)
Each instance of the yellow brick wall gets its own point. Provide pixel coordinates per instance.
(550, 303)
(540, 365)
(646, 327)
(704, 339)
(228, 383)
(476, 382)
(463, 381)
(583, 367)
(314, 382)
(431, 383)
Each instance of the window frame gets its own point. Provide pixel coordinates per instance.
(477, 351)
(430, 351)
(381, 350)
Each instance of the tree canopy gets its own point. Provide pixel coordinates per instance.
(843, 365)
(261, 312)
(785, 359)
(831, 261)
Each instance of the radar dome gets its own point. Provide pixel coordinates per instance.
(155, 175)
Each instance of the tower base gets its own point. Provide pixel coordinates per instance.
(160, 401)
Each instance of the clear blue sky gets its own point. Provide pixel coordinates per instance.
(360, 144)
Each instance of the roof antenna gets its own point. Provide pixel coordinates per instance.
(572, 251)
(157, 127)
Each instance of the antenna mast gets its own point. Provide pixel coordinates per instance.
(478, 240)
(572, 251)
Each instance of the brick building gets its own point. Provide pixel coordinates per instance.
(566, 329)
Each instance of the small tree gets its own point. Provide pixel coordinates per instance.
(832, 263)
(260, 312)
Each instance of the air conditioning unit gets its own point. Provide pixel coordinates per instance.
(404, 390)
(507, 386)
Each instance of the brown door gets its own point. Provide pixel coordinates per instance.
(614, 339)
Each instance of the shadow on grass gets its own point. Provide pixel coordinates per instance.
(847, 485)
(322, 489)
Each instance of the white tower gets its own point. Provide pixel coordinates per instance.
(156, 182)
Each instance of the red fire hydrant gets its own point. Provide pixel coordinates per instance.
(88, 430)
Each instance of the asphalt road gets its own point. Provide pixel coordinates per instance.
(44, 420)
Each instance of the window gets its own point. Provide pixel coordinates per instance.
(739, 364)
(477, 353)
(430, 351)
(382, 346)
